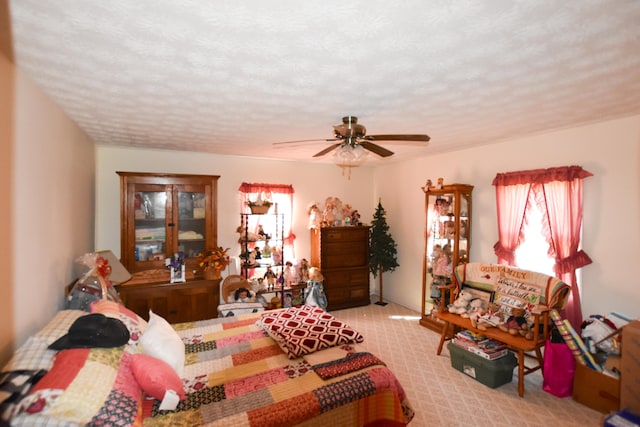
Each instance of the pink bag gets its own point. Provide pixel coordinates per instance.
(559, 368)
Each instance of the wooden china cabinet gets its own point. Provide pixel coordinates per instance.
(447, 242)
(161, 215)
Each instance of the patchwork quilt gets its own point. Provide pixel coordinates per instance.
(236, 374)
(289, 367)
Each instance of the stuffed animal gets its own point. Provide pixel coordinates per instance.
(491, 318)
(248, 235)
(516, 324)
(461, 304)
(476, 308)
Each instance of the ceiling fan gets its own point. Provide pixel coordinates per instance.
(352, 134)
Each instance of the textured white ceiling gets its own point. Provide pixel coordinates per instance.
(232, 77)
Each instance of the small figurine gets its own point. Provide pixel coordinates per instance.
(271, 277)
(315, 215)
(304, 270)
(262, 234)
(290, 275)
(355, 218)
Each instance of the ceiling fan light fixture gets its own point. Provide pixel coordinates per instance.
(349, 156)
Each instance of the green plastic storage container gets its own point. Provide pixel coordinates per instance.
(492, 373)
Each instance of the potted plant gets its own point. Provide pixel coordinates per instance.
(213, 261)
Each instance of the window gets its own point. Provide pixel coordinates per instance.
(282, 197)
(557, 194)
(533, 252)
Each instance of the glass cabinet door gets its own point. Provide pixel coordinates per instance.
(447, 243)
(150, 211)
(191, 221)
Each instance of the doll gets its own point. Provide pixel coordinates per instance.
(243, 295)
(290, 274)
(270, 277)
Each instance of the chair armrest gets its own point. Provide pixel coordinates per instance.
(540, 317)
(452, 295)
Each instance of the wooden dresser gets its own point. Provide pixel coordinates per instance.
(342, 254)
(192, 300)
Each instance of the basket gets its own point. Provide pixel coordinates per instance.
(262, 209)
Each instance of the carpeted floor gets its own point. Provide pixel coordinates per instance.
(443, 396)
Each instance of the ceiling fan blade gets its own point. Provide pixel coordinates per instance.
(326, 150)
(424, 138)
(380, 151)
(305, 140)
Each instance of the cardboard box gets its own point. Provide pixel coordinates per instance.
(630, 367)
(492, 373)
(596, 390)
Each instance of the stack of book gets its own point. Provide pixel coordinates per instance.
(484, 347)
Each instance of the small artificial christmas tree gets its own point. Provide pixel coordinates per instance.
(382, 247)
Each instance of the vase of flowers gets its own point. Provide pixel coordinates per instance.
(213, 261)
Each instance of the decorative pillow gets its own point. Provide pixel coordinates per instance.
(160, 340)
(306, 329)
(134, 323)
(84, 386)
(155, 376)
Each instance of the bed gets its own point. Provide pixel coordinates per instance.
(289, 367)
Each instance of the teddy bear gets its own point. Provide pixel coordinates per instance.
(516, 324)
(461, 304)
(491, 318)
(475, 309)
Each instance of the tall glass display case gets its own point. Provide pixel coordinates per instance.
(447, 236)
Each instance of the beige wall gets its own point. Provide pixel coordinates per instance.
(610, 150)
(611, 237)
(310, 182)
(62, 200)
(51, 192)
(7, 334)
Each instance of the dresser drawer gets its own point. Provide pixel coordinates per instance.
(346, 277)
(343, 234)
(347, 297)
(351, 254)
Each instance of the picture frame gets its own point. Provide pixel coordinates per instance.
(178, 275)
(484, 294)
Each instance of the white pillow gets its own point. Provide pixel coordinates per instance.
(160, 340)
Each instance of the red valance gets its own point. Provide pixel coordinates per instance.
(256, 187)
(541, 176)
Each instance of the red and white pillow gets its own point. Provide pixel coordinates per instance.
(134, 323)
(306, 329)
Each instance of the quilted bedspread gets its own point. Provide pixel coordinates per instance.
(236, 375)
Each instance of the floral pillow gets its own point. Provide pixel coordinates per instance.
(304, 330)
(134, 323)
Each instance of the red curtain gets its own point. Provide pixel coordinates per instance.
(558, 194)
(511, 204)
